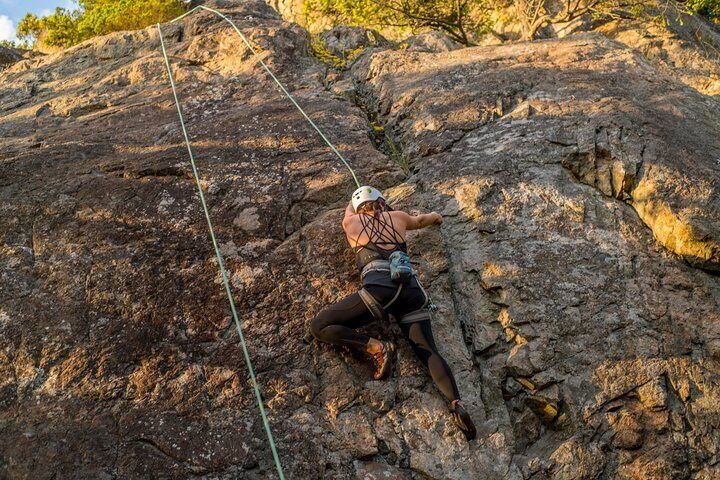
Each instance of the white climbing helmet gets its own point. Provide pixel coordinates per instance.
(365, 194)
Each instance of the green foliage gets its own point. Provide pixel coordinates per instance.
(707, 8)
(385, 142)
(7, 44)
(104, 16)
(462, 20)
(319, 50)
(61, 28)
(346, 12)
(397, 155)
(29, 28)
(64, 28)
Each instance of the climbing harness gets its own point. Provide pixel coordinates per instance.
(379, 311)
(381, 265)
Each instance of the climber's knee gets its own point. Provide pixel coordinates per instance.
(317, 324)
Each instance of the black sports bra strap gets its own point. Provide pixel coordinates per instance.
(379, 232)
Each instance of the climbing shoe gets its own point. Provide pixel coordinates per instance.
(383, 360)
(462, 419)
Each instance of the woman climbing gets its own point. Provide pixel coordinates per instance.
(390, 286)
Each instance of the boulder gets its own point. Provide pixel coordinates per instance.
(344, 42)
(432, 41)
(8, 56)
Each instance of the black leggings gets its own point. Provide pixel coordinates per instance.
(336, 325)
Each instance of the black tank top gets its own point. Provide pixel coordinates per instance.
(385, 243)
(365, 254)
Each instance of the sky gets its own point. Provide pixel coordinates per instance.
(11, 11)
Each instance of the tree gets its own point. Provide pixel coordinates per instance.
(29, 29)
(536, 14)
(707, 8)
(451, 16)
(461, 20)
(101, 17)
(65, 28)
(60, 28)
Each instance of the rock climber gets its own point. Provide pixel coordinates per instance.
(376, 234)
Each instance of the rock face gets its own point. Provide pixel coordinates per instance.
(433, 41)
(8, 56)
(686, 47)
(579, 188)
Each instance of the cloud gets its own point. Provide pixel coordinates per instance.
(7, 29)
(50, 9)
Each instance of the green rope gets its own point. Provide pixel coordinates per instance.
(220, 263)
(279, 84)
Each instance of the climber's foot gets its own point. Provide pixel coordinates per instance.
(462, 419)
(383, 358)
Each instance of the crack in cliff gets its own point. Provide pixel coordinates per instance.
(158, 449)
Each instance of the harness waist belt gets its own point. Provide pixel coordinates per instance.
(379, 265)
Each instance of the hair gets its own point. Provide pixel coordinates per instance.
(374, 207)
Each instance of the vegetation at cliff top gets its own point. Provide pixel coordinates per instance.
(462, 20)
(466, 20)
(707, 8)
(65, 28)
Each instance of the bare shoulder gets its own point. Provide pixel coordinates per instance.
(349, 221)
(399, 215)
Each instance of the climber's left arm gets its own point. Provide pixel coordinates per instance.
(349, 213)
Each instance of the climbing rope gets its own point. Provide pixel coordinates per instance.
(221, 265)
(278, 82)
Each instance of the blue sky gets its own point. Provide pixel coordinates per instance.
(11, 11)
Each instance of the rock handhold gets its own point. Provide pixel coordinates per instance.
(629, 432)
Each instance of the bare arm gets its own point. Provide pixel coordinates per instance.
(415, 222)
